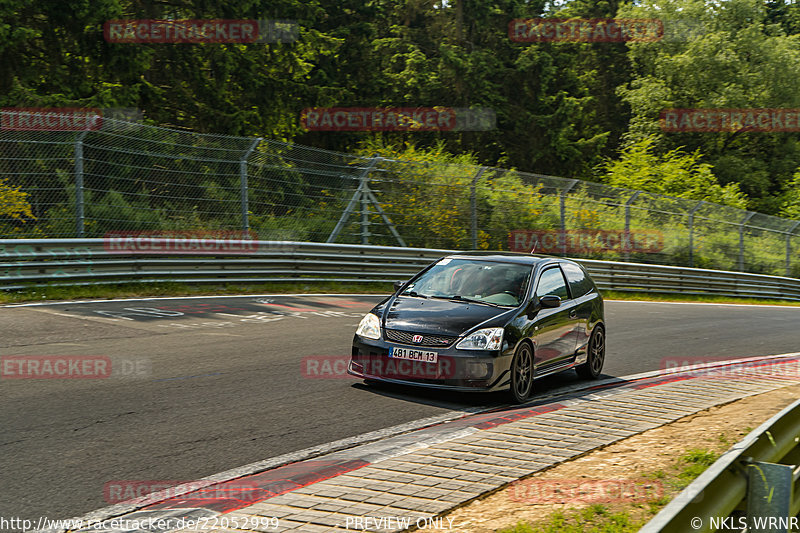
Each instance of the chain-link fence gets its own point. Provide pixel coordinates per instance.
(127, 177)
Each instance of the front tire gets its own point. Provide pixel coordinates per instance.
(595, 355)
(522, 373)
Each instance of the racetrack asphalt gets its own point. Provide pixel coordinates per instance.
(219, 384)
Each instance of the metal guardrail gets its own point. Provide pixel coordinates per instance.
(754, 484)
(33, 262)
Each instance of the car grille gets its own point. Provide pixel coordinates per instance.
(405, 337)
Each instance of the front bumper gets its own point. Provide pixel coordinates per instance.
(458, 370)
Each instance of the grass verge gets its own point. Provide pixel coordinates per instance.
(145, 290)
(678, 297)
(624, 517)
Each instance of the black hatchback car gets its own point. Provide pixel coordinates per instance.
(484, 321)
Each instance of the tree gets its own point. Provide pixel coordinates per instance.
(675, 173)
(551, 113)
(53, 54)
(731, 54)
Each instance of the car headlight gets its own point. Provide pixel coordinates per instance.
(369, 327)
(483, 339)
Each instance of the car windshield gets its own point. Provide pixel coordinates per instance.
(487, 282)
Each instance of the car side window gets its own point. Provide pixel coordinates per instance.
(552, 282)
(579, 283)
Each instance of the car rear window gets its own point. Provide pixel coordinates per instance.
(579, 282)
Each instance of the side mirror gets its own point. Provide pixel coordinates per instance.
(550, 301)
(398, 285)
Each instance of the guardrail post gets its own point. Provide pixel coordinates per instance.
(563, 208)
(691, 231)
(789, 235)
(243, 187)
(747, 217)
(627, 243)
(769, 495)
(79, 205)
(473, 206)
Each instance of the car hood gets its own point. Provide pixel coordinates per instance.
(440, 317)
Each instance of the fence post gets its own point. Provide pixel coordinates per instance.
(563, 208)
(473, 206)
(243, 187)
(747, 217)
(691, 231)
(79, 205)
(364, 210)
(627, 243)
(789, 248)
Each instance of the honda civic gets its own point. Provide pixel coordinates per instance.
(484, 321)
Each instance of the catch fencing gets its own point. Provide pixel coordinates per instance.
(122, 176)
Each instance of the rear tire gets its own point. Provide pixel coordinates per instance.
(595, 355)
(522, 373)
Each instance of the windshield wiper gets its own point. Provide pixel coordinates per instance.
(460, 298)
(414, 294)
(473, 300)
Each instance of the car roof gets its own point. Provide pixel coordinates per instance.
(505, 257)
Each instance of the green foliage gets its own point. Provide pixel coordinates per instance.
(595, 519)
(228, 88)
(562, 109)
(513, 204)
(790, 207)
(15, 209)
(694, 462)
(734, 54)
(675, 173)
(425, 192)
(14, 202)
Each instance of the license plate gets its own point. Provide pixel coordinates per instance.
(413, 355)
